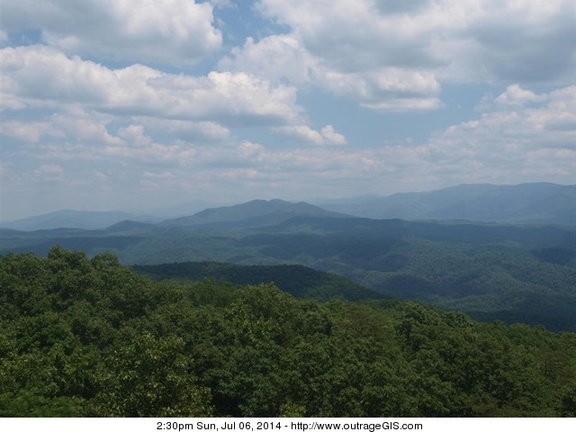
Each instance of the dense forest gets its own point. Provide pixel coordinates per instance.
(84, 336)
(297, 280)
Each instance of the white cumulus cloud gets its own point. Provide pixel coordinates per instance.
(303, 133)
(147, 31)
(284, 58)
(521, 41)
(37, 75)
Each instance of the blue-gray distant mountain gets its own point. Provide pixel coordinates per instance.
(534, 203)
(256, 212)
(184, 209)
(73, 219)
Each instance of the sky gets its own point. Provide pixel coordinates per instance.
(137, 105)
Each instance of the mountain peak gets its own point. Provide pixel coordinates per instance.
(257, 211)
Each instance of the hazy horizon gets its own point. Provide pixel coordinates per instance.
(135, 105)
(188, 208)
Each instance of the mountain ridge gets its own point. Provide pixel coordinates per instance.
(257, 212)
(526, 203)
(75, 219)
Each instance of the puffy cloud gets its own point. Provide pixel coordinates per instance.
(134, 134)
(171, 31)
(365, 37)
(387, 89)
(276, 58)
(458, 40)
(513, 143)
(30, 131)
(302, 133)
(517, 96)
(39, 75)
(68, 133)
(283, 58)
(87, 136)
(332, 136)
(199, 132)
(522, 41)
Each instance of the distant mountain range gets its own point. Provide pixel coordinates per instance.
(532, 203)
(75, 219)
(535, 203)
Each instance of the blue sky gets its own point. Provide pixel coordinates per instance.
(140, 104)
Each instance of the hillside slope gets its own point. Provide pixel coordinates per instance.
(296, 280)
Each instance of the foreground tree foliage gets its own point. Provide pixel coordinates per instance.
(89, 337)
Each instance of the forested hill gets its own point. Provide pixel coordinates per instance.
(297, 280)
(86, 336)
